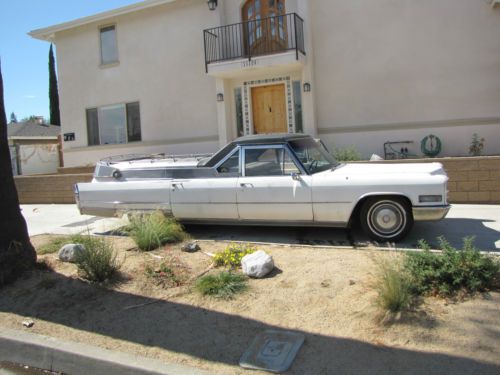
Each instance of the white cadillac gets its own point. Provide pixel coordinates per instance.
(284, 179)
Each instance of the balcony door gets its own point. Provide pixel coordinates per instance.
(269, 109)
(266, 30)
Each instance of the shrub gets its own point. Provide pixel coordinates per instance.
(232, 255)
(99, 262)
(154, 230)
(223, 285)
(56, 243)
(346, 154)
(476, 145)
(167, 274)
(393, 286)
(452, 270)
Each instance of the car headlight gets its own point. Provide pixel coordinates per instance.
(430, 198)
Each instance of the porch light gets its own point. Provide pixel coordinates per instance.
(220, 97)
(212, 4)
(307, 87)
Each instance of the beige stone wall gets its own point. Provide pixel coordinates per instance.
(472, 179)
(48, 188)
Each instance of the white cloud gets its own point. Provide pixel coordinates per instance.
(29, 96)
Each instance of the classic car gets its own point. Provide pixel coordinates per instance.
(281, 179)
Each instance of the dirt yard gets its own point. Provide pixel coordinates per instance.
(327, 294)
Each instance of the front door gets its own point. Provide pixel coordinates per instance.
(269, 109)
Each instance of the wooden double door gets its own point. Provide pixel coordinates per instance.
(269, 109)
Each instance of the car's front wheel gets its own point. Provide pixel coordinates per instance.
(386, 219)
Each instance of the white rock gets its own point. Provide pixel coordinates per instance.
(69, 252)
(257, 264)
(28, 323)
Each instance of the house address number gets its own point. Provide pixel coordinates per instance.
(248, 63)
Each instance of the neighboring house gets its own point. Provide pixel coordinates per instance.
(34, 147)
(173, 76)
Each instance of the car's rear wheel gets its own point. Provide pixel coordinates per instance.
(386, 218)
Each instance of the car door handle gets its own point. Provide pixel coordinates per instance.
(176, 185)
(246, 184)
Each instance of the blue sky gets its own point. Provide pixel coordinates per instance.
(24, 59)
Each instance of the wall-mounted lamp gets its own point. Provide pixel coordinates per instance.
(212, 4)
(220, 97)
(307, 87)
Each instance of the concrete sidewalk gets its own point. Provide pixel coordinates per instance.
(64, 219)
(481, 221)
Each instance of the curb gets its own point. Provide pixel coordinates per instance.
(73, 358)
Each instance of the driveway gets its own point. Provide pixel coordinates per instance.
(481, 221)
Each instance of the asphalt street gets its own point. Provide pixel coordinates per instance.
(481, 221)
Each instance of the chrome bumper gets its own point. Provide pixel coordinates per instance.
(430, 213)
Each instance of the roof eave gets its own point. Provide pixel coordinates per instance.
(48, 33)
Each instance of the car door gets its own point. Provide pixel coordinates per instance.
(273, 188)
(212, 198)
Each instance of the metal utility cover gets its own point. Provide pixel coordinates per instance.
(272, 351)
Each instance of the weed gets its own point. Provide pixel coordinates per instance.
(223, 285)
(99, 262)
(393, 286)
(452, 270)
(231, 256)
(168, 274)
(151, 231)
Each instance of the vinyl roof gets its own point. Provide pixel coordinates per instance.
(269, 138)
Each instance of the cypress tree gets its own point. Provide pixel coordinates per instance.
(55, 118)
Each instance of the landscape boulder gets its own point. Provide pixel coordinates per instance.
(257, 264)
(190, 247)
(69, 252)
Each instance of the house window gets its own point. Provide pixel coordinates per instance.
(297, 106)
(114, 124)
(109, 46)
(239, 111)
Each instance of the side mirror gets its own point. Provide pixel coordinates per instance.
(295, 176)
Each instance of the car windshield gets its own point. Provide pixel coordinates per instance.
(313, 155)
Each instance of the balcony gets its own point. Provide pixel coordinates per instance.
(263, 42)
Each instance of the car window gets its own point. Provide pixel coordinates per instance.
(313, 156)
(231, 166)
(269, 162)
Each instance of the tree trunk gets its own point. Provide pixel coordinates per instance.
(16, 252)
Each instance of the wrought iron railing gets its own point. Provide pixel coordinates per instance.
(254, 38)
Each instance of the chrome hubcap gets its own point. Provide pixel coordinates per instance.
(387, 218)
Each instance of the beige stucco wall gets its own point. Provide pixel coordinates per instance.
(161, 66)
(430, 66)
(380, 71)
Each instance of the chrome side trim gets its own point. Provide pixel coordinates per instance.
(430, 213)
(238, 222)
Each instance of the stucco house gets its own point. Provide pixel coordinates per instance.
(187, 76)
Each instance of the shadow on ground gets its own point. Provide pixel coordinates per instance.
(179, 328)
(453, 229)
